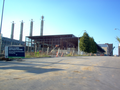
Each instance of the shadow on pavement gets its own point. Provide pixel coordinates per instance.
(31, 69)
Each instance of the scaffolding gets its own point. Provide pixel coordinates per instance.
(66, 43)
(41, 43)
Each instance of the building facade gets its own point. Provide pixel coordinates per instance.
(65, 42)
(108, 48)
(8, 41)
(119, 49)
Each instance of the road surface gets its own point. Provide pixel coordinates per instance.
(61, 73)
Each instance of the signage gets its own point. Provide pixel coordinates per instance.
(14, 52)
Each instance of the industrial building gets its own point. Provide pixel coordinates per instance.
(11, 41)
(42, 42)
(8, 41)
(108, 48)
(63, 42)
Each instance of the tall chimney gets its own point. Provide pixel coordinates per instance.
(21, 31)
(31, 27)
(12, 30)
(41, 34)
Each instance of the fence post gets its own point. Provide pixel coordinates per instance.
(58, 51)
(35, 47)
(47, 50)
(73, 52)
(42, 50)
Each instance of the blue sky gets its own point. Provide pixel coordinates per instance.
(97, 17)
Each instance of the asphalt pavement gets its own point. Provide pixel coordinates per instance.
(61, 73)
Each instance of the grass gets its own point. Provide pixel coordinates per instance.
(35, 55)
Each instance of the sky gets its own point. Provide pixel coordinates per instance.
(98, 17)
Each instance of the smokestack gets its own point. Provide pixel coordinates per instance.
(41, 34)
(21, 31)
(31, 27)
(12, 30)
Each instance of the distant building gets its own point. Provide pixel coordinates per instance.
(8, 41)
(108, 48)
(105, 47)
(119, 49)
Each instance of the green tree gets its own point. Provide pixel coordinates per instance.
(118, 39)
(84, 43)
(93, 47)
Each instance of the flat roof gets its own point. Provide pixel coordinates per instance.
(51, 36)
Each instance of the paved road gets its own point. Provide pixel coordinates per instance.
(61, 73)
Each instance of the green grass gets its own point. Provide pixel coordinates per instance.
(35, 55)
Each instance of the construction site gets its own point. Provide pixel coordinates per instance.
(50, 44)
(64, 43)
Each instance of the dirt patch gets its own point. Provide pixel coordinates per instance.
(3, 78)
(16, 78)
(49, 67)
(88, 68)
(84, 77)
(76, 71)
(112, 75)
(98, 80)
(95, 64)
(70, 77)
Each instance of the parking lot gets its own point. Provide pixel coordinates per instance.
(61, 73)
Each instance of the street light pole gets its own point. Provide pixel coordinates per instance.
(1, 26)
(2, 16)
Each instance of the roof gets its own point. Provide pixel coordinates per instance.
(51, 36)
(12, 40)
(103, 45)
(99, 48)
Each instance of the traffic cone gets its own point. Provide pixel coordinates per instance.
(57, 54)
(61, 54)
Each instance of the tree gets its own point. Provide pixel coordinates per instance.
(84, 43)
(118, 39)
(87, 44)
(93, 47)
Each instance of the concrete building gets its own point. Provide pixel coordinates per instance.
(108, 48)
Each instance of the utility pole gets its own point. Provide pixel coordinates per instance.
(1, 26)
